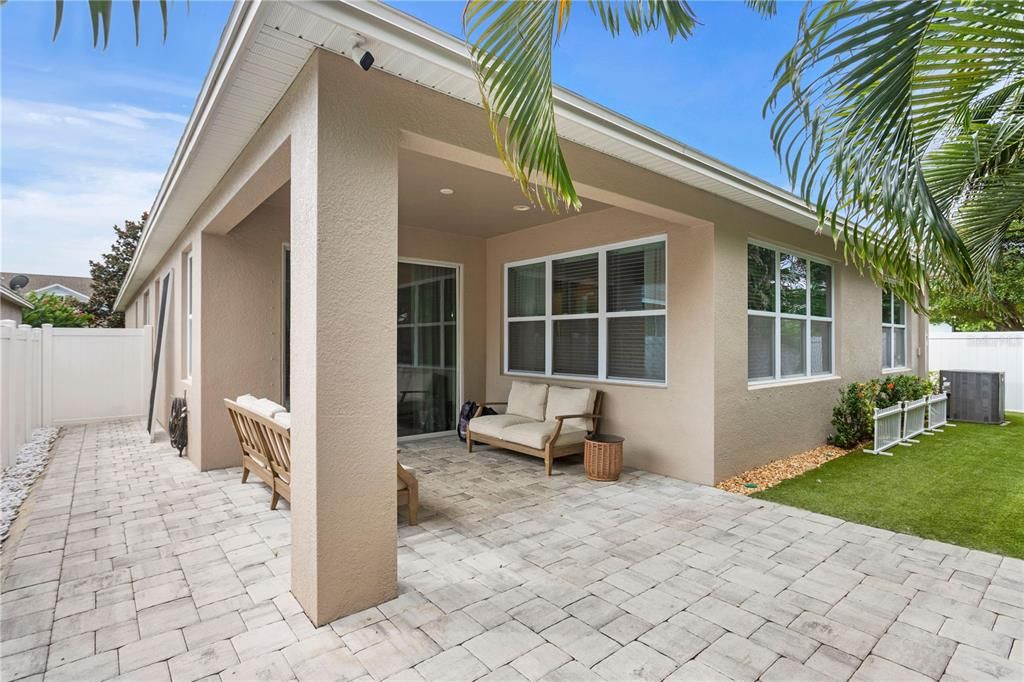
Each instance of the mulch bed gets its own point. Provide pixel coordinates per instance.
(777, 471)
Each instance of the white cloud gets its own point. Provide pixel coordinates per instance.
(71, 172)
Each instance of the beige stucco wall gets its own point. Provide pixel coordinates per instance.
(243, 283)
(665, 426)
(754, 424)
(9, 310)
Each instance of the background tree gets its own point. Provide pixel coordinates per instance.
(109, 272)
(998, 308)
(60, 311)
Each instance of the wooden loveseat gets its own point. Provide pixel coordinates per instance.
(540, 420)
(264, 434)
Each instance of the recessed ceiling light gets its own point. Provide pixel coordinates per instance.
(447, 190)
(520, 207)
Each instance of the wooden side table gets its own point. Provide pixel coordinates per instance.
(602, 456)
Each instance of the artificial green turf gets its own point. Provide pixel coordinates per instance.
(965, 486)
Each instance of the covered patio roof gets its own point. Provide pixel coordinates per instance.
(265, 45)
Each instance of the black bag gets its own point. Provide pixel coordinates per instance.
(466, 413)
(178, 424)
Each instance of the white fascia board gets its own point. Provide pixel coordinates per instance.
(240, 24)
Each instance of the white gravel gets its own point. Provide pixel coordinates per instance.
(16, 479)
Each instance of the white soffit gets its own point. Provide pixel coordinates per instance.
(265, 44)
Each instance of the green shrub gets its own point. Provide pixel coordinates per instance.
(56, 310)
(901, 387)
(853, 416)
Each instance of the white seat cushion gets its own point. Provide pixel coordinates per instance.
(284, 419)
(492, 425)
(527, 399)
(564, 401)
(536, 434)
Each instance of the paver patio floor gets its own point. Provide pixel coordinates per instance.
(131, 563)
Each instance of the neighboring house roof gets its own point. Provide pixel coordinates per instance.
(61, 285)
(14, 298)
(278, 37)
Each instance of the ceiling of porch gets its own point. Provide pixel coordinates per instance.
(481, 203)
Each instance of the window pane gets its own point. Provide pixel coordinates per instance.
(574, 285)
(450, 345)
(526, 346)
(450, 305)
(760, 278)
(526, 290)
(898, 311)
(821, 289)
(636, 348)
(636, 278)
(575, 347)
(886, 347)
(793, 275)
(886, 307)
(793, 344)
(760, 347)
(899, 347)
(821, 347)
(429, 339)
(428, 302)
(405, 337)
(405, 304)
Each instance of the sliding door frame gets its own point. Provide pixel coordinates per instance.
(459, 343)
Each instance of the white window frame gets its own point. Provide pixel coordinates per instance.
(602, 315)
(778, 316)
(188, 314)
(892, 326)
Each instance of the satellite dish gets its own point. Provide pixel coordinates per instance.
(18, 282)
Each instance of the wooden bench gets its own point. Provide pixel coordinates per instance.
(267, 452)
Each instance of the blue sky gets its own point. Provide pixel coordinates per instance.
(87, 134)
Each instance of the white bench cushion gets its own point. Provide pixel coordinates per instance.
(536, 434)
(261, 406)
(527, 399)
(492, 425)
(564, 401)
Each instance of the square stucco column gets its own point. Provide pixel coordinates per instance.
(344, 241)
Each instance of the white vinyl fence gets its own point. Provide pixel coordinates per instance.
(987, 351)
(54, 376)
(897, 425)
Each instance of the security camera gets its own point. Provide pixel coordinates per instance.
(361, 56)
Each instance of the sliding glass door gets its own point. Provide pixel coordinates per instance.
(428, 355)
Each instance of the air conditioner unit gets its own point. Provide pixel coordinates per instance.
(975, 396)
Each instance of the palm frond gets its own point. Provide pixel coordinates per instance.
(766, 8)
(511, 43)
(899, 122)
(100, 14)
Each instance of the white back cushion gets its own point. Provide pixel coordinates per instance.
(527, 399)
(268, 408)
(284, 419)
(248, 401)
(563, 401)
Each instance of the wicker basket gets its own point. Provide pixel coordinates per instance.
(602, 457)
